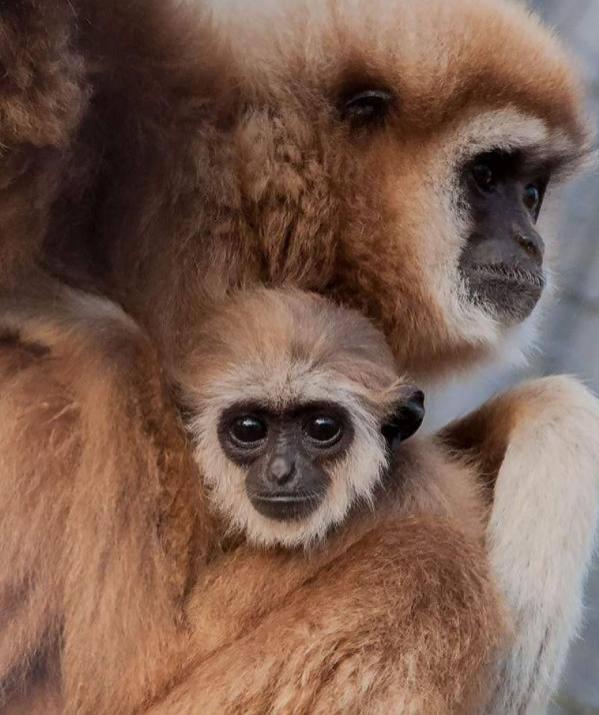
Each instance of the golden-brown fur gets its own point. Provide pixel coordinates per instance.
(211, 157)
(87, 424)
(336, 644)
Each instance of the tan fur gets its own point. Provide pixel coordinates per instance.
(211, 157)
(335, 644)
(538, 445)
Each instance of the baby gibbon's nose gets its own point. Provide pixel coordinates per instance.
(281, 470)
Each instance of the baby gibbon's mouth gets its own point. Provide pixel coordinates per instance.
(291, 506)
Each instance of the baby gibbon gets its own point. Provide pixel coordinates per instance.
(404, 521)
(295, 407)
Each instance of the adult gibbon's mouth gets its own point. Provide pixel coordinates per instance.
(291, 506)
(509, 292)
(510, 274)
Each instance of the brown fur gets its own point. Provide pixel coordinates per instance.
(198, 167)
(43, 96)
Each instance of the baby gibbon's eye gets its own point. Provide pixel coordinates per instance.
(367, 106)
(323, 430)
(248, 431)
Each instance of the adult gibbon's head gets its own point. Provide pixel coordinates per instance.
(391, 153)
(398, 154)
(295, 410)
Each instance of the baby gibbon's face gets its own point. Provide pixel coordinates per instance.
(295, 409)
(294, 471)
(287, 455)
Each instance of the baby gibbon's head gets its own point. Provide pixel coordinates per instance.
(295, 408)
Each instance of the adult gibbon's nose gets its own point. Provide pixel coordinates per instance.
(531, 242)
(281, 470)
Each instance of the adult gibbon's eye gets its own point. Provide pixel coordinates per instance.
(533, 199)
(367, 106)
(484, 176)
(248, 431)
(324, 430)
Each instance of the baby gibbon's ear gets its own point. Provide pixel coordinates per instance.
(406, 419)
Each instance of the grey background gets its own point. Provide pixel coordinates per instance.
(570, 331)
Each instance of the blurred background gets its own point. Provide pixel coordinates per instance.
(570, 332)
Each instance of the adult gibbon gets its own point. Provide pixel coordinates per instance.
(391, 155)
(43, 96)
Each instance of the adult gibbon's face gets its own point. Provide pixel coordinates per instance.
(502, 260)
(398, 154)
